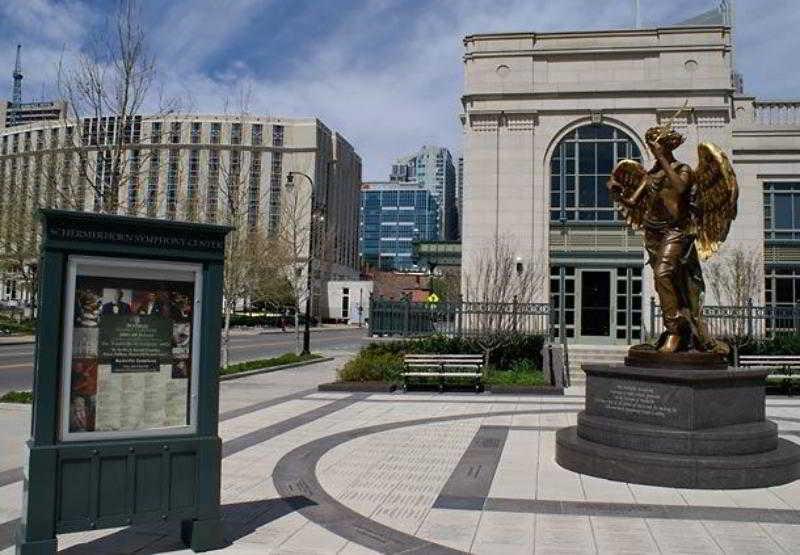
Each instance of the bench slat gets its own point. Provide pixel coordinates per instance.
(770, 365)
(443, 355)
(446, 365)
(441, 366)
(444, 361)
(438, 357)
(748, 357)
(777, 361)
(443, 374)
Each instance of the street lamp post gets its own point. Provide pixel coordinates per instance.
(309, 283)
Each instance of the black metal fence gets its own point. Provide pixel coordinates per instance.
(415, 319)
(749, 320)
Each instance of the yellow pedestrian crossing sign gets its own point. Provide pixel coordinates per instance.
(433, 298)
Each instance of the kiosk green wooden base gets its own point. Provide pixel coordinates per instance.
(126, 394)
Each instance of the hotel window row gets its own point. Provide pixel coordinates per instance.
(105, 131)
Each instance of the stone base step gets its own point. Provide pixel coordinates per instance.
(779, 466)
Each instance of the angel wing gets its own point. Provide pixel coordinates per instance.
(714, 199)
(629, 174)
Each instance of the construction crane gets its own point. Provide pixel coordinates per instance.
(16, 96)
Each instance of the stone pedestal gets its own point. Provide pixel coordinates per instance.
(691, 425)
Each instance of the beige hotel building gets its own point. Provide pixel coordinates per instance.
(177, 168)
(547, 115)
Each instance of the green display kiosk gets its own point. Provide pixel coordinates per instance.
(126, 395)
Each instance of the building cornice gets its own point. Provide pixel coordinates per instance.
(766, 161)
(618, 110)
(772, 131)
(766, 150)
(652, 31)
(786, 176)
(643, 51)
(561, 94)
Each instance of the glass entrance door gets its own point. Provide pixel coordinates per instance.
(595, 305)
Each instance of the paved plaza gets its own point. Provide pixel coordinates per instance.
(309, 472)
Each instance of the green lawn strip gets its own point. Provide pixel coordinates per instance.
(491, 376)
(25, 397)
(494, 376)
(14, 327)
(779, 382)
(288, 358)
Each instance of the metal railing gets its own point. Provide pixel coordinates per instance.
(748, 320)
(404, 318)
(417, 319)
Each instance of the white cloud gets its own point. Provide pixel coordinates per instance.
(388, 74)
(186, 33)
(45, 29)
(410, 95)
(45, 21)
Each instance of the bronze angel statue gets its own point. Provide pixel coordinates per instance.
(685, 214)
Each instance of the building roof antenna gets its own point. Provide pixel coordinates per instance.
(16, 96)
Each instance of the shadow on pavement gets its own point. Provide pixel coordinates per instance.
(239, 519)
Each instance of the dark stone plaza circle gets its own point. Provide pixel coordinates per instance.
(686, 423)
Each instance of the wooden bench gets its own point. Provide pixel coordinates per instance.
(443, 367)
(782, 367)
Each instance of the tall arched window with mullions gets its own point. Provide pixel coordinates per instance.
(579, 170)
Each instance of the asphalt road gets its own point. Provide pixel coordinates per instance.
(16, 361)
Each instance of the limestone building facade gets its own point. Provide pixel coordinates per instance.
(547, 115)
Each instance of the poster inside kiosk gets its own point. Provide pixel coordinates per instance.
(130, 345)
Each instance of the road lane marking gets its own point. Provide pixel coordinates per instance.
(7, 366)
(25, 352)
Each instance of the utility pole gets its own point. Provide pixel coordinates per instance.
(309, 279)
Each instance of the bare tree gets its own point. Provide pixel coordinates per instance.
(734, 277)
(19, 237)
(498, 291)
(495, 275)
(234, 196)
(244, 250)
(106, 87)
(446, 283)
(293, 237)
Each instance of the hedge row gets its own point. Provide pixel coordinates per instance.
(781, 344)
(287, 358)
(12, 326)
(383, 360)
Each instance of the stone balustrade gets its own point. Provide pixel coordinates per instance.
(777, 112)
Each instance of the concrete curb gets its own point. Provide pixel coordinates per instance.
(274, 368)
(22, 340)
(290, 331)
(358, 387)
(525, 390)
(385, 387)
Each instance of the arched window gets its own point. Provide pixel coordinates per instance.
(579, 170)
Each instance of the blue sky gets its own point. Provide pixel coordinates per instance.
(386, 73)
